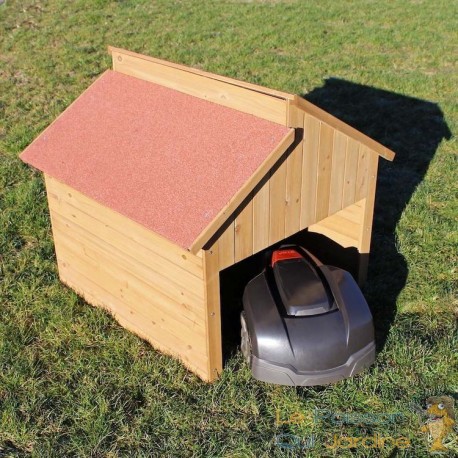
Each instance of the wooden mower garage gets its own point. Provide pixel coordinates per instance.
(160, 176)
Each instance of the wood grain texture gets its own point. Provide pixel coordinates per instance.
(131, 297)
(351, 170)
(97, 296)
(199, 84)
(311, 145)
(152, 287)
(261, 216)
(136, 236)
(338, 172)
(226, 246)
(118, 52)
(362, 176)
(325, 156)
(324, 173)
(339, 125)
(294, 170)
(343, 227)
(277, 204)
(243, 246)
(213, 314)
(367, 220)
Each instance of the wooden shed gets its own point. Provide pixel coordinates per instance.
(160, 176)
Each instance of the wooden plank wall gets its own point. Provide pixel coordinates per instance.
(321, 175)
(151, 286)
(344, 226)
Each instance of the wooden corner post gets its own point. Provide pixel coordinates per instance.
(213, 312)
(367, 219)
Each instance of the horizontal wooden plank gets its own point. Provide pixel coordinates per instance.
(342, 240)
(127, 284)
(191, 356)
(132, 292)
(179, 281)
(353, 212)
(343, 227)
(138, 237)
(117, 52)
(168, 292)
(243, 99)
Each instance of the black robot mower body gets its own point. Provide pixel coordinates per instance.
(305, 323)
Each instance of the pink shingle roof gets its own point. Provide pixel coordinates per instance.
(167, 160)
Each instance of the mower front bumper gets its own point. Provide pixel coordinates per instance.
(267, 371)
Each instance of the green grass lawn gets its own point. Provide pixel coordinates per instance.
(74, 383)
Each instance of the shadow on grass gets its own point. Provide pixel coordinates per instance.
(413, 129)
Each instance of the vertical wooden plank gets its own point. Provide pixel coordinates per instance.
(362, 177)
(368, 216)
(294, 115)
(244, 232)
(294, 185)
(225, 245)
(338, 172)
(311, 144)
(213, 314)
(277, 203)
(324, 171)
(351, 169)
(261, 217)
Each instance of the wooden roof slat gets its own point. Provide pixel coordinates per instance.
(341, 126)
(253, 87)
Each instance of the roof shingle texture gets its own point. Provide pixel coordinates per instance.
(165, 159)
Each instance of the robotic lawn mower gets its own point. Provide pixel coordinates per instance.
(305, 323)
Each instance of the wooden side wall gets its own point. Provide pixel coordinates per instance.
(322, 174)
(151, 286)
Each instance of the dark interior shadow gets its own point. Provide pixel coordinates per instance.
(234, 279)
(413, 129)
